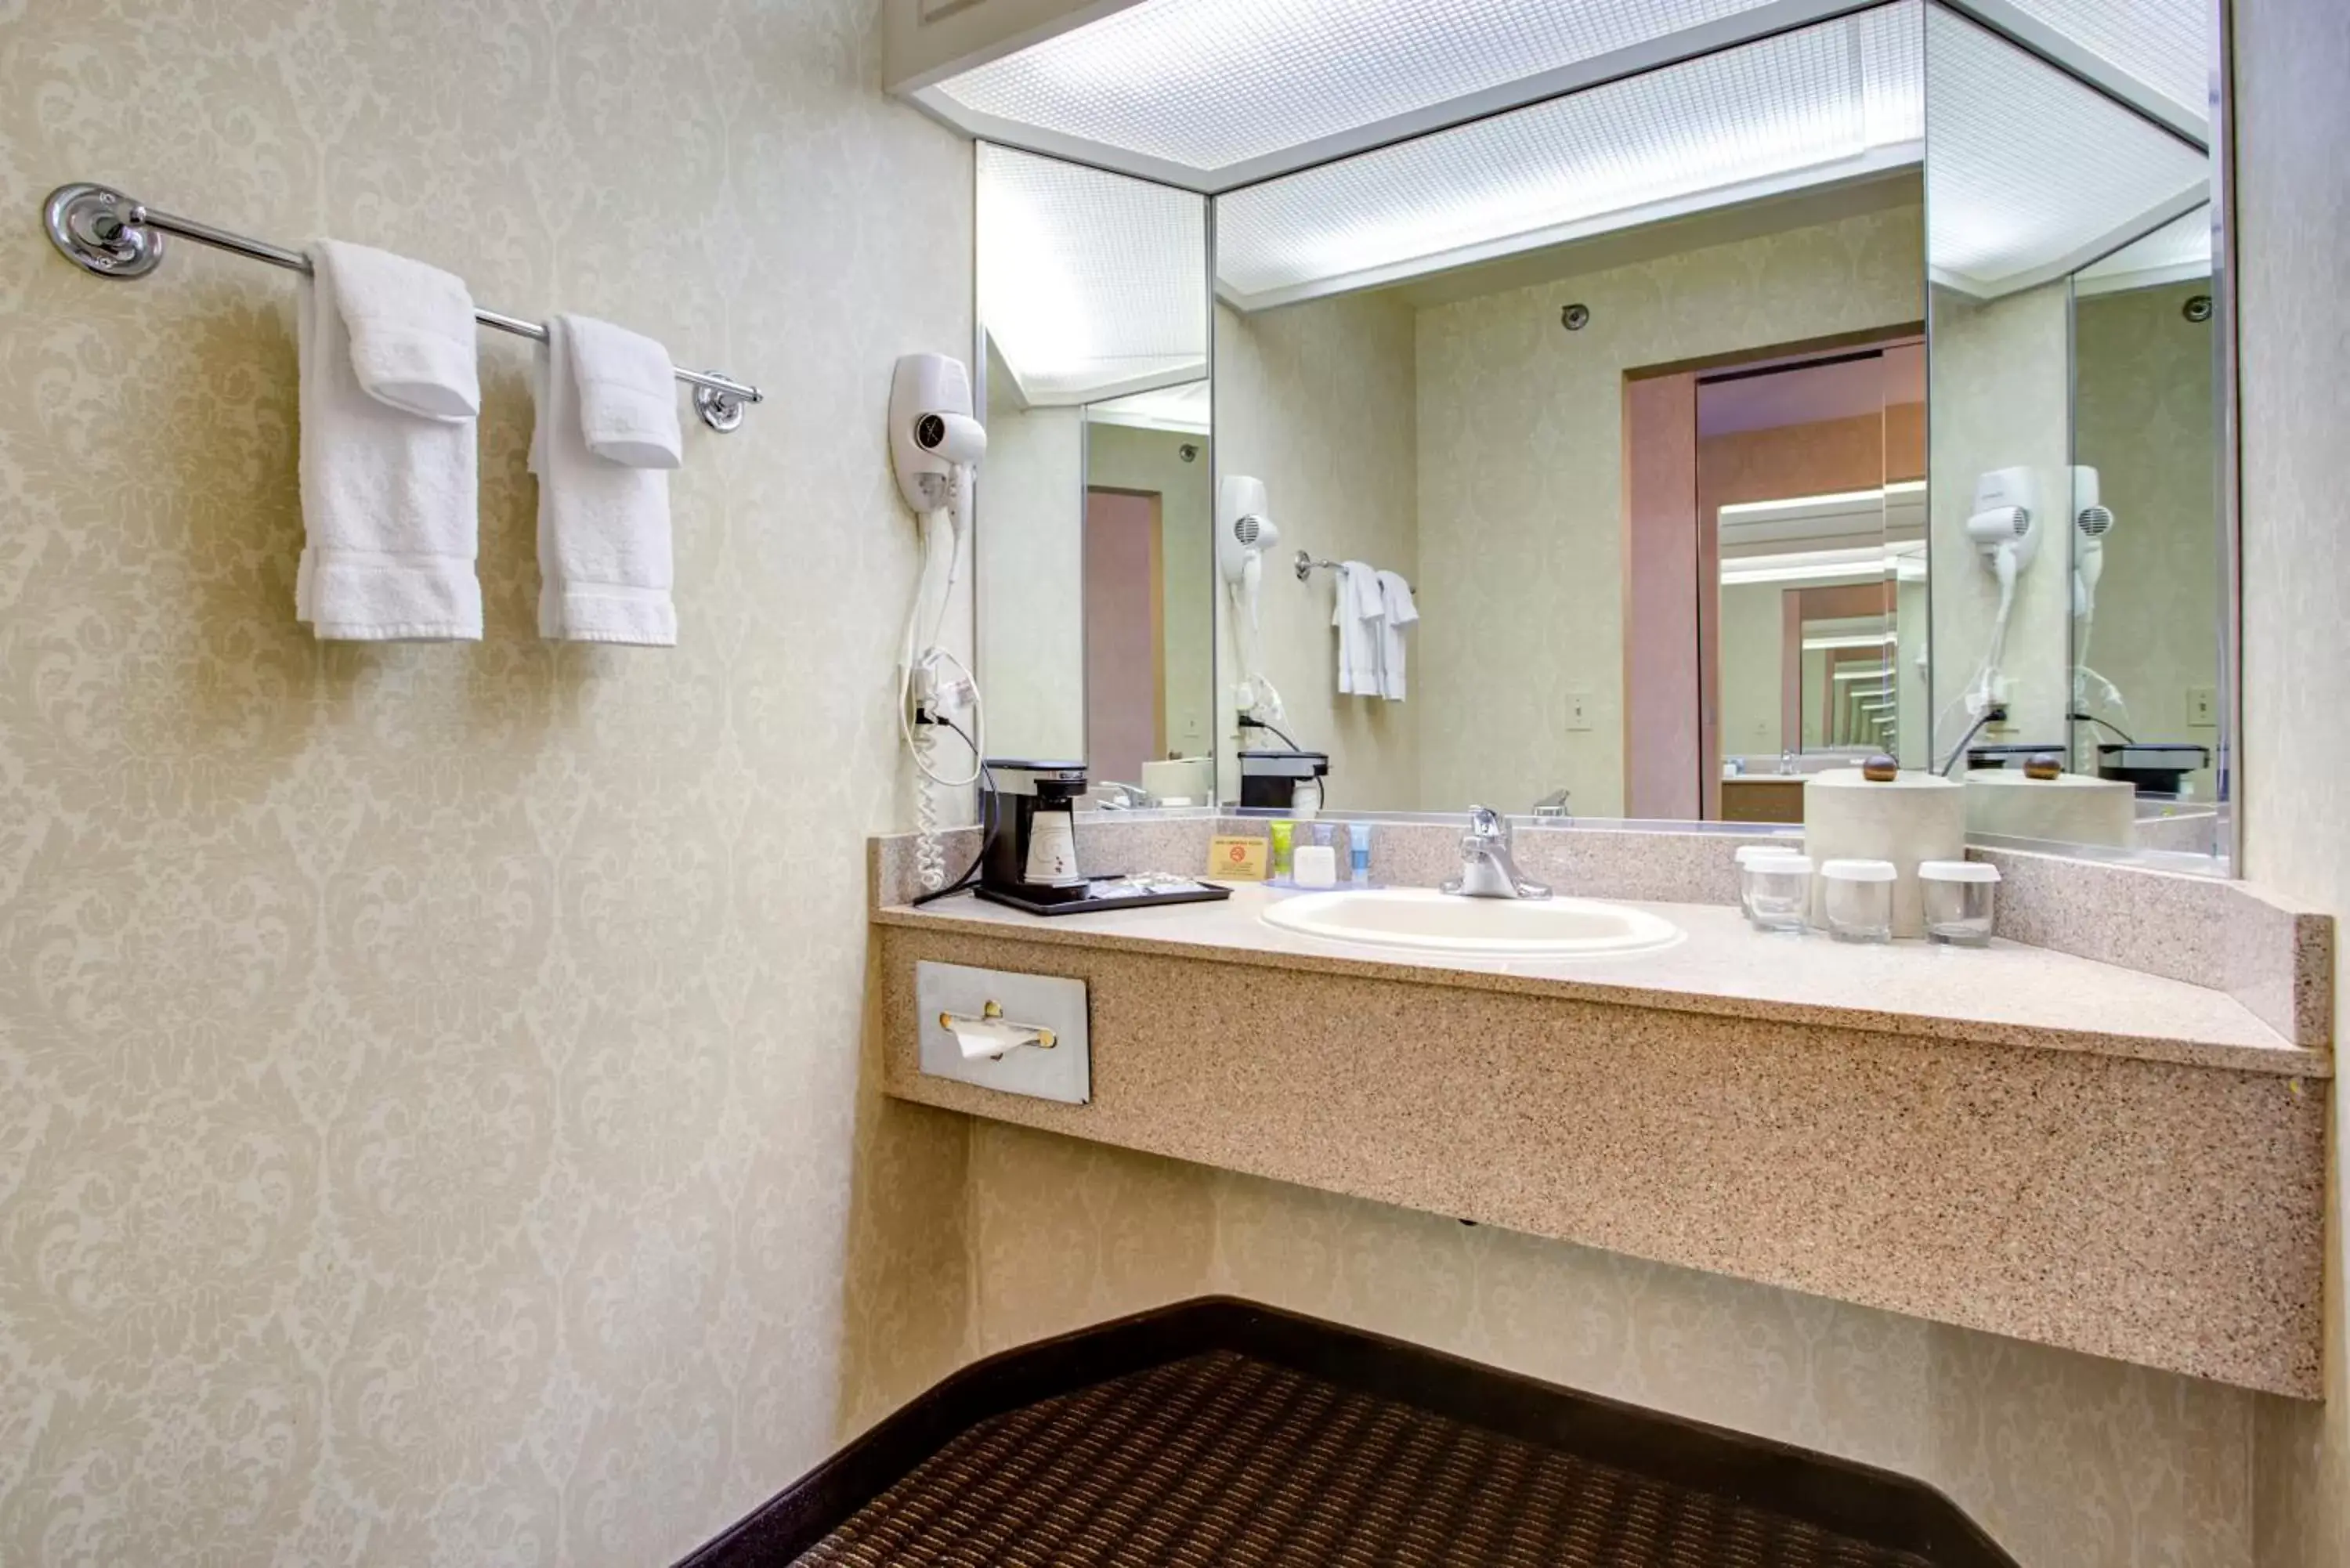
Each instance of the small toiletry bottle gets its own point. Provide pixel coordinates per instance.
(1284, 838)
(1358, 851)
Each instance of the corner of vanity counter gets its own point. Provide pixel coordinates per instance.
(2021, 1175)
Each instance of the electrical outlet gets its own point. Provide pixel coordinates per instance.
(2203, 707)
(1578, 709)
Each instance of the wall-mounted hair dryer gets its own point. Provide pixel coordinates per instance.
(934, 439)
(2093, 521)
(1245, 533)
(935, 445)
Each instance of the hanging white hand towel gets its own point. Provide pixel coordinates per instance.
(604, 569)
(1357, 617)
(389, 507)
(1396, 612)
(628, 395)
(412, 326)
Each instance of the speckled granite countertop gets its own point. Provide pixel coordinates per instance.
(2007, 994)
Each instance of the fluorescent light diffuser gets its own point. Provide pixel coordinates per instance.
(1818, 103)
(2032, 173)
(1200, 85)
(1090, 284)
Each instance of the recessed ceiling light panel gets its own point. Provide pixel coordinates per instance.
(1207, 84)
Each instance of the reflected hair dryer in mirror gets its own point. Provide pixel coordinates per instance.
(1244, 533)
(2005, 526)
(2092, 523)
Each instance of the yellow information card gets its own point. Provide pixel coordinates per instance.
(1236, 858)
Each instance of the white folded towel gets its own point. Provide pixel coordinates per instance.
(412, 329)
(604, 562)
(1357, 617)
(628, 395)
(388, 498)
(1396, 612)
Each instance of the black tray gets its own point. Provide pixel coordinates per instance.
(1073, 900)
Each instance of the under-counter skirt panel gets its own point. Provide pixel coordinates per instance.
(2159, 1214)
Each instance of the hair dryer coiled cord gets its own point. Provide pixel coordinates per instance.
(922, 664)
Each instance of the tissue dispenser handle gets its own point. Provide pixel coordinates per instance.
(989, 1035)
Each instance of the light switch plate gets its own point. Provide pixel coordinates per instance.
(1578, 709)
(1063, 1073)
(2203, 707)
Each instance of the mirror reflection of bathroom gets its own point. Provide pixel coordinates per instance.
(1811, 483)
(1500, 362)
(1639, 452)
(2073, 385)
(1092, 546)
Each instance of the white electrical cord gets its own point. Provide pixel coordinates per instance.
(921, 666)
(1258, 701)
(1982, 689)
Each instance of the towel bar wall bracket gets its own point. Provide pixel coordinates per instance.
(108, 234)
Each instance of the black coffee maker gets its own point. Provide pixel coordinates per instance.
(1032, 857)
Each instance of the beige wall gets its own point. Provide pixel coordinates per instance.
(2294, 216)
(1125, 457)
(1028, 546)
(1316, 401)
(1753, 634)
(2071, 1461)
(2000, 399)
(2142, 416)
(1521, 484)
(430, 1128)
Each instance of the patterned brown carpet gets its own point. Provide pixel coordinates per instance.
(1227, 1461)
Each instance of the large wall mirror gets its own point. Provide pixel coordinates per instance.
(1092, 554)
(1636, 451)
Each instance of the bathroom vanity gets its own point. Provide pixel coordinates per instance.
(2018, 1139)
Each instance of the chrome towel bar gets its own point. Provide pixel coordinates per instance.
(106, 233)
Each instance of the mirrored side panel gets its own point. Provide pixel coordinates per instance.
(1094, 508)
(2147, 529)
(2072, 388)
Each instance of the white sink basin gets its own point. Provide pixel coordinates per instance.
(1425, 920)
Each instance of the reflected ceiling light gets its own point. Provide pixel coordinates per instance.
(2176, 252)
(2034, 174)
(1834, 501)
(1090, 284)
(1185, 408)
(1825, 102)
(1872, 565)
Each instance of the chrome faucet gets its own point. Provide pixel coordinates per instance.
(1487, 868)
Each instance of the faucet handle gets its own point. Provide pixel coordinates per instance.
(1484, 822)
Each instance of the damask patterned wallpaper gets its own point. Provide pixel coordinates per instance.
(430, 1129)
(2142, 416)
(2293, 208)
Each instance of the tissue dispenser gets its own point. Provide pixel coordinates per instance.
(988, 1027)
